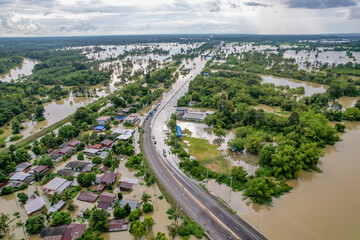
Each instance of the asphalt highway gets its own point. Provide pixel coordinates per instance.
(197, 203)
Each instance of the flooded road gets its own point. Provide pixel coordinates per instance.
(25, 69)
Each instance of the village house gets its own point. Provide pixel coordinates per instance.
(108, 178)
(106, 200)
(103, 120)
(43, 169)
(23, 167)
(87, 197)
(96, 146)
(132, 118)
(116, 225)
(181, 110)
(65, 172)
(125, 186)
(56, 185)
(55, 156)
(107, 143)
(57, 207)
(91, 151)
(77, 165)
(73, 143)
(66, 232)
(34, 205)
(134, 204)
(66, 150)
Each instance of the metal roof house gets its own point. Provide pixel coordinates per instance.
(106, 200)
(118, 225)
(56, 185)
(57, 207)
(34, 205)
(103, 120)
(87, 197)
(23, 167)
(134, 204)
(108, 178)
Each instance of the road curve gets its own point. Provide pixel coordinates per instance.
(197, 203)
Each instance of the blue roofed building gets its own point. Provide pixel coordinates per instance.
(206, 74)
(99, 128)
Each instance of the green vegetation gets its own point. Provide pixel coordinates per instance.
(60, 218)
(22, 197)
(34, 224)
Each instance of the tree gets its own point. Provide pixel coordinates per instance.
(34, 224)
(239, 174)
(172, 124)
(4, 223)
(80, 156)
(135, 215)
(89, 234)
(60, 218)
(15, 127)
(138, 230)
(340, 127)
(120, 196)
(173, 229)
(127, 209)
(22, 197)
(219, 132)
(21, 155)
(86, 179)
(145, 197)
(68, 131)
(159, 236)
(96, 160)
(147, 207)
(99, 220)
(46, 161)
(253, 142)
(265, 155)
(120, 212)
(149, 223)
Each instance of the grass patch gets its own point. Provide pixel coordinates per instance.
(206, 153)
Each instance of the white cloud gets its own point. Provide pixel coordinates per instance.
(101, 17)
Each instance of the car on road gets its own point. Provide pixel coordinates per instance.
(154, 142)
(153, 137)
(164, 153)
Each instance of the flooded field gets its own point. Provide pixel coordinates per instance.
(322, 55)
(310, 88)
(122, 70)
(321, 205)
(25, 69)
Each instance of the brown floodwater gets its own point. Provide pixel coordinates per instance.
(24, 69)
(310, 88)
(321, 205)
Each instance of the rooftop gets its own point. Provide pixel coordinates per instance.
(34, 205)
(87, 197)
(118, 225)
(108, 177)
(73, 231)
(104, 118)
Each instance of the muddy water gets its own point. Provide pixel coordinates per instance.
(321, 205)
(310, 88)
(25, 69)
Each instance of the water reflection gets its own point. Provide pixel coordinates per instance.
(25, 69)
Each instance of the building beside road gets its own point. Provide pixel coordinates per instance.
(132, 118)
(103, 120)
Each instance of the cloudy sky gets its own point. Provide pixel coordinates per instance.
(116, 17)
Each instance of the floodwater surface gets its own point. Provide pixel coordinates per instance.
(321, 205)
(24, 69)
